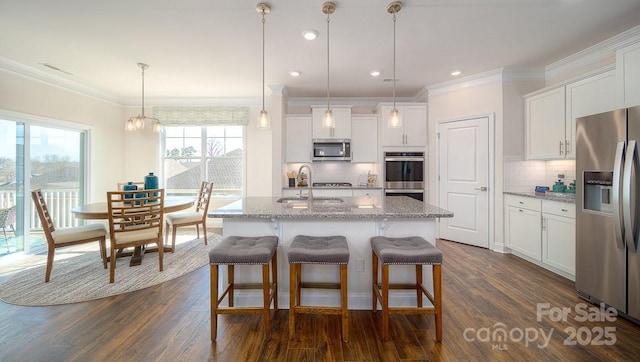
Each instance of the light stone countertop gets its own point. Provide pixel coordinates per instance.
(553, 196)
(352, 187)
(350, 208)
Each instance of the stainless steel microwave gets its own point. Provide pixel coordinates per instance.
(331, 150)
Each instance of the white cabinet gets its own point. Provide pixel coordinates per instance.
(551, 115)
(545, 122)
(523, 226)
(364, 139)
(298, 139)
(628, 82)
(342, 116)
(559, 236)
(333, 192)
(367, 192)
(593, 95)
(414, 125)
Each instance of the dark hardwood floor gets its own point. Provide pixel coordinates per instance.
(484, 292)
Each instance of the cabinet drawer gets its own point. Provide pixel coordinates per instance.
(559, 208)
(523, 202)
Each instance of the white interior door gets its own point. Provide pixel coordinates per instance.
(463, 180)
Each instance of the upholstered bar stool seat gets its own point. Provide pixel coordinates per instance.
(412, 250)
(330, 250)
(239, 250)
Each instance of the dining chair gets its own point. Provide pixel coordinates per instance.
(135, 220)
(68, 236)
(7, 220)
(187, 218)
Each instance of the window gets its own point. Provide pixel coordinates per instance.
(211, 153)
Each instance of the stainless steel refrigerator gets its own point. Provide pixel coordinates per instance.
(607, 255)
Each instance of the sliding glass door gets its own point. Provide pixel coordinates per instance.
(54, 160)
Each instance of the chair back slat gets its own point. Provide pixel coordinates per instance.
(43, 213)
(204, 196)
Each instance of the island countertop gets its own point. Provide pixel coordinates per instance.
(366, 207)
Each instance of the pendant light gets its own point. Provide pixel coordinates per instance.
(394, 120)
(136, 123)
(264, 120)
(328, 121)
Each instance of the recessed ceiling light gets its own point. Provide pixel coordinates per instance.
(456, 72)
(310, 34)
(295, 73)
(374, 73)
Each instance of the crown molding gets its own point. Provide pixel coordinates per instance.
(41, 76)
(593, 54)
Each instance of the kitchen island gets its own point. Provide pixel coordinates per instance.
(356, 218)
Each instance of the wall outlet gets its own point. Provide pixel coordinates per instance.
(359, 265)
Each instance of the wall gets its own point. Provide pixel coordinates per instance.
(523, 176)
(53, 104)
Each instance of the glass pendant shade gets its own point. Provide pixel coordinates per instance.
(130, 125)
(328, 121)
(157, 126)
(264, 120)
(394, 121)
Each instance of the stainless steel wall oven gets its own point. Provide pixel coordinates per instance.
(404, 174)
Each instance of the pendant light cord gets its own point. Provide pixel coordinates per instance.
(394, 60)
(142, 92)
(263, 21)
(328, 21)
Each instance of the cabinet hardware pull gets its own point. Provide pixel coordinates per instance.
(560, 148)
(520, 210)
(567, 149)
(521, 202)
(564, 210)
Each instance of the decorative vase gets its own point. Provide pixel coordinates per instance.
(129, 187)
(151, 182)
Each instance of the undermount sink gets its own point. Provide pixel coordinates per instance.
(314, 200)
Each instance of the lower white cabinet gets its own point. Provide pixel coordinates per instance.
(543, 232)
(333, 192)
(367, 192)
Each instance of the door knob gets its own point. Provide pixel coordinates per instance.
(483, 188)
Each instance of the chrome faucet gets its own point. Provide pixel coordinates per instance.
(308, 182)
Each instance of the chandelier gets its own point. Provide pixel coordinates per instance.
(137, 122)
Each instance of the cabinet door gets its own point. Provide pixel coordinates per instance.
(523, 231)
(367, 192)
(559, 243)
(342, 116)
(545, 117)
(628, 68)
(390, 136)
(364, 139)
(415, 125)
(593, 95)
(298, 139)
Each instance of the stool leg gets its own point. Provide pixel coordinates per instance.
(265, 301)
(374, 277)
(292, 299)
(213, 280)
(437, 296)
(230, 280)
(385, 302)
(418, 285)
(344, 302)
(298, 282)
(274, 278)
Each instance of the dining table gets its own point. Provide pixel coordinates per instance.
(99, 211)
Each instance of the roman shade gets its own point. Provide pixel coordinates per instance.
(202, 116)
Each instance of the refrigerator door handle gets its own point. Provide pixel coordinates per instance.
(615, 197)
(630, 160)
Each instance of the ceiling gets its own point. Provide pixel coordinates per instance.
(203, 49)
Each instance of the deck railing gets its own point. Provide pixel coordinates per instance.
(59, 202)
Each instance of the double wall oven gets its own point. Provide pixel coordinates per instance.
(404, 174)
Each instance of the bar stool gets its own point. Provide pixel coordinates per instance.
(412, 250)
(238, 250)
(318, 250)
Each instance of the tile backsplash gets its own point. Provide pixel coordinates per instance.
(338, 171)
(524, 175)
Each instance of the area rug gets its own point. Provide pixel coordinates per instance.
(79, 276)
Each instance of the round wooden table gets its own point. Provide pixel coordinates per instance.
(99, 210)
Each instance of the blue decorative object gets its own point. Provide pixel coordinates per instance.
(559, 186)
(151, 182)
(129, 187)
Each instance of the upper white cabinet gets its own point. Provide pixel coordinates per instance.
(414, 125)
(545, 122)
(342, 116)
(628, 68)
(298, 139)
(551, 115)
(364, 139)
